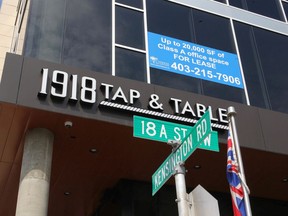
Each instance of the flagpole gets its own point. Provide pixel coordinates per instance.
(232, 125)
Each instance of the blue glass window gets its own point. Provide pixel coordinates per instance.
(269, 8)
(263, 55)
(130, 64)
(285, 6)
(129, 28)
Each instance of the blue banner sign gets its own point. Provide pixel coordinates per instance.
(186, 58)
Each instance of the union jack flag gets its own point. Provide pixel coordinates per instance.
(234, 180)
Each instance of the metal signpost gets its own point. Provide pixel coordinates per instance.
(186, 140)
(199, 132)
(180, 154)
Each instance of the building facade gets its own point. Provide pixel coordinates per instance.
(77, 72)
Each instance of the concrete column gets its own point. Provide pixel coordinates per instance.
(33, 194)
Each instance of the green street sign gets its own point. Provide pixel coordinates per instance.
(166, 170)
(196, 137)
(158, 130)
(164, 131)
(210, 143)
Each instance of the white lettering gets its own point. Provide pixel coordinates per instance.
(200, 109)
(176, 104)
(107, 89)
(211, 114)
(207, 140)
(222, 113)
(187, 108)
(163, 132)
(134, 95)
(180, 133)
(120, 94)
(201, 129)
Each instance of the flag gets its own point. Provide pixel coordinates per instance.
(234, 180)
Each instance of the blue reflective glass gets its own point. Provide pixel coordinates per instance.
(269, 8)
(251, 64)
(215, 32)
(77, 33)
(129, 28)
(285, 6)
(130, 64)
(264, 55)
(87, 37)
(162, 19)
(237, 3)
(273, 53)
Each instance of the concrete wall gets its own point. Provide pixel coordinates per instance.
(8, 15)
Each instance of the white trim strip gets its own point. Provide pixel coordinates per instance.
(130, 48)
(237, 14)
(129, 7)
(281, 2)
(240, 62)
(113, 37)
(155, 113)
(146, 42)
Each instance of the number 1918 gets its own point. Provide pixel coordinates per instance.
(60, 85)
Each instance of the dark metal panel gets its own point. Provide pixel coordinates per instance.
(275, 130)
(249, 127)
(247, 118)
(10, 81)
(257, 128)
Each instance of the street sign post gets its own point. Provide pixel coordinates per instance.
(200, 131)
(186, 139)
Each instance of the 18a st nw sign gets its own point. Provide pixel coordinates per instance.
(164, 131)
